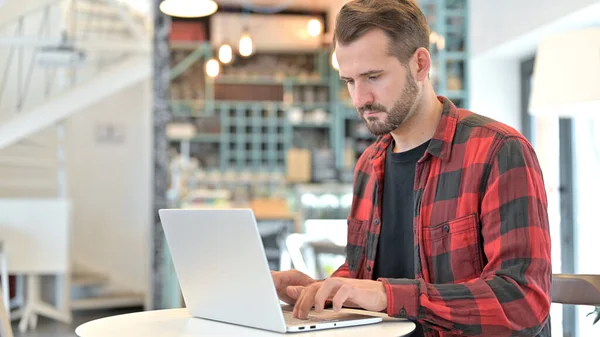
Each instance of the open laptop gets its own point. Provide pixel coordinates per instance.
(224, 275)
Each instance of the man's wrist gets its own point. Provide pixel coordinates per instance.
(383, 297)
(402, 297)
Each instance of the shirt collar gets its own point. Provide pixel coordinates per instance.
(441, 142)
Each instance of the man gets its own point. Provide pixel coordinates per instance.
(448, 225)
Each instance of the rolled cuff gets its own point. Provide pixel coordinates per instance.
(402, 297)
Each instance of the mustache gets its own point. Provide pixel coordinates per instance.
(371, 107)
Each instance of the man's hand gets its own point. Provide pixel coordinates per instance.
(366, 294)
(289, 278)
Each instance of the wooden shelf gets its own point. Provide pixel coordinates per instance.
(324, 125)
(227, 79)
(186, 45)
(205, 138)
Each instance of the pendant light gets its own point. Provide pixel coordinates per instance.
(212, 68)
(188, 8)
(314, 27)
(225, 53)
(246, 46)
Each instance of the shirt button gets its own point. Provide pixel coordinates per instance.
(369, 268)
(446, 228)
(402, 312)
(376, 221)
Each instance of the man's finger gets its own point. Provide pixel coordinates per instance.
(294, 291)
(276, 281)
(342, 295)
(307, 301)
(297, 304)
(326, 291)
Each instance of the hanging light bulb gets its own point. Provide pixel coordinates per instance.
(212, 68)
(334, 62)
(314, 27)
(225, 53)
(188, 9)
(438, 40)
(246, 46)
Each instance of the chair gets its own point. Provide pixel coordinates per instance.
(5, 328)
(304, 252)
(576, 289)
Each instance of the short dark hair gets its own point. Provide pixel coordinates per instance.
(402, 21)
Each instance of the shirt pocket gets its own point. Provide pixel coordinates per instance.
(452, 250)
(355, 247)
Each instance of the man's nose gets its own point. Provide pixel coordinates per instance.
(362, 96)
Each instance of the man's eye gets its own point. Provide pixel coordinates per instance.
(349, 81)
(372, 78)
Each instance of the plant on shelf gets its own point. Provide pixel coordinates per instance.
(597, 312)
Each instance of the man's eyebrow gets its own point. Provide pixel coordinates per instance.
(367, 73)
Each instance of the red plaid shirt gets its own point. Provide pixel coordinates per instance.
(482, 242)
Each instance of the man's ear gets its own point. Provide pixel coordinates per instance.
(422, 64)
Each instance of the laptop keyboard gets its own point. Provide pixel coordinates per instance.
(323, 317)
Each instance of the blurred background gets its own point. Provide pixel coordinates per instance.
(113, 109)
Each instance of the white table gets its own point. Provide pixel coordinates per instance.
(177, 323)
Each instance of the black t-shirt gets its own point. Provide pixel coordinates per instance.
(395, 250)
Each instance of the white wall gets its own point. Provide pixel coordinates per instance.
(28, 169)
(494, 23)
(504, 33)
(110, 185)
(495, 89)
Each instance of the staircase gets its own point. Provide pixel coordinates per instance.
(116, 40)
(91, 290)
(116, 43)
(29, 167)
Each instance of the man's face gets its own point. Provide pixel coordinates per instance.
(383, 90)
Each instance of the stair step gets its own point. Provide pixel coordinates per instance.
(28, 162)
(88, 280)
(109, 301)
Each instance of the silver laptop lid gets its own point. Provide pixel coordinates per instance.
(221, 266)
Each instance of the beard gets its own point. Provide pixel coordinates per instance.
(397, 114)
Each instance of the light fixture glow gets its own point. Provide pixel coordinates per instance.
(225, 53)
(188, 8)
(334, 62)
(212, 68)
(438, 40)
(314, 27)
(246, 45)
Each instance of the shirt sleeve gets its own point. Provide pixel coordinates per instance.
(512, 295)
(342, 271)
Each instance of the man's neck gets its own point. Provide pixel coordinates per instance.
(421, 126)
